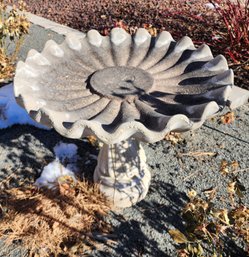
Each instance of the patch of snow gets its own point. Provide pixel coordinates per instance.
(52, 172)
(211, 6)
(65, 151)
(65, 164)
(10, 112)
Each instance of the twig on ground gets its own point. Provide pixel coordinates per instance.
(197, 154)
(191, 175)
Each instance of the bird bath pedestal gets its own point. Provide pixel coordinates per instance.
(123, 173)
(124, 89)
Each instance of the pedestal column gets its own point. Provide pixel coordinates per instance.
(123, 173)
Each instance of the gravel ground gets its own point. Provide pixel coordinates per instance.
(141, 230)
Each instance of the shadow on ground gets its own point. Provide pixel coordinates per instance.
(25, 150)
(138, 232)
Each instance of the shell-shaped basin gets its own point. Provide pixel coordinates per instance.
(121, 86)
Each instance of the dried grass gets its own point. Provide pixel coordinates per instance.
(53, 223)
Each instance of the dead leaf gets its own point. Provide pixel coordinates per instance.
(224, 167)
(152, 30)
(239, 189)
(227, 118)
(229, 168)
(225, 215)
(200, 250)
(66, 185)
(234, 165)
(192, 194)
(178, 236)
(210, 193)
(222, 215)
(173, 137)
(231, 187)
(183, 253)
(92, 140)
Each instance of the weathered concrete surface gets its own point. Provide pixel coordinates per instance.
(79, 88)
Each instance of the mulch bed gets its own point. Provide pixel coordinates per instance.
(181, 18)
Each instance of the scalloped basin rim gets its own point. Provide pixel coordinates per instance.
(90, 81)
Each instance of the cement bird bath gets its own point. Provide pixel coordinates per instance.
(124, 89)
